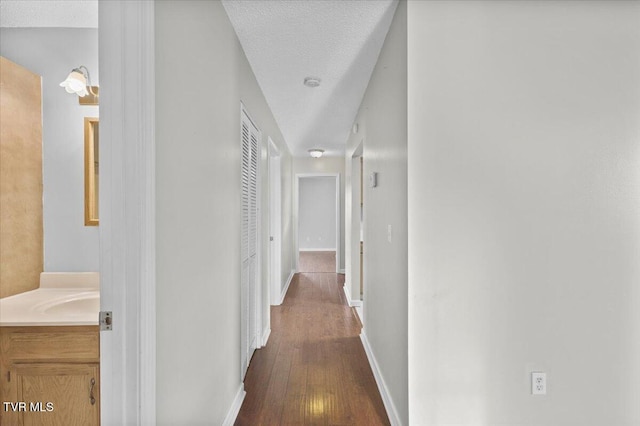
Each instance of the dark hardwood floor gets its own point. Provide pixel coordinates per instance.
(313, 370)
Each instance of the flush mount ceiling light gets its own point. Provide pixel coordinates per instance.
(312, 81)
(79, 82)
(316, 153)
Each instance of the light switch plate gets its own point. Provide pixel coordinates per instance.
(373, 179)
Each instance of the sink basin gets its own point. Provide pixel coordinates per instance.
(64, 303)
(80, 305)
(51, 306)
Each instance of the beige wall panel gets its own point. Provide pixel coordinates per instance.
(21, 252)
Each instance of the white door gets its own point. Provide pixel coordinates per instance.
(249, 281)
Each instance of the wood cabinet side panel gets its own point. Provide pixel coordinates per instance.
(21, 227)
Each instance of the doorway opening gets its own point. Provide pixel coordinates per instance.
(317, 223)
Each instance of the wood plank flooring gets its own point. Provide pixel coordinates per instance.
(317, 261)
(313, 370)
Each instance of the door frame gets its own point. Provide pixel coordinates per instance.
(127, 211)
(296, 204)
(275, 224)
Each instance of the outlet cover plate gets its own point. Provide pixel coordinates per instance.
(538, 383)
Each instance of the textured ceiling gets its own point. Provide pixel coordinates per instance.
(49, 13)
(285, 41)
(337, 41)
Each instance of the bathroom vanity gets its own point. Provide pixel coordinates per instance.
(49, 337)
(51, 374)
(50, 354)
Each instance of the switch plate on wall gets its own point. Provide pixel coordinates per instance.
(538, 383)
(373, 179)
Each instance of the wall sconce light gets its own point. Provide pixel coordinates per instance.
(79, 82)
(316, 153)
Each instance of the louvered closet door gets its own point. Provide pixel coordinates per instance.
(250, 152)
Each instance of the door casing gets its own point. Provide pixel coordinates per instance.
(275, 224)
(127, 211)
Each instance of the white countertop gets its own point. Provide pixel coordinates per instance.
(62, 299)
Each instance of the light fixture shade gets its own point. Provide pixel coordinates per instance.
(316, 153)
(312, 81)
(76, 83)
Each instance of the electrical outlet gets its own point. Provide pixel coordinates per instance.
(538, 383)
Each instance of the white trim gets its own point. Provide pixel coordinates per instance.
(258, 257)
(351, 302)
(275, 221)
(338, 210)
(342, 271)
(318, 249)
(360, 312)
(259, 206)
(265, 337)
(232, 414)
(127, 212)
(347, 295)
(296, 210)
(382, 386)
(286, 287)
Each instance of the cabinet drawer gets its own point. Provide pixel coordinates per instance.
(75, 343)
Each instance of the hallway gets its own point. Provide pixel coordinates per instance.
(313, 369)
(317, 261)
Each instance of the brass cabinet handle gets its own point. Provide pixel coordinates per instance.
(91, 397)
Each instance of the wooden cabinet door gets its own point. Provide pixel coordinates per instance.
(58, 394)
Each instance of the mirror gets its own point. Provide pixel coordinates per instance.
(91, 170)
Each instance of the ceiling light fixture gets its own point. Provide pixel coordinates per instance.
(316, 153)
(79, 82)
(312, 81)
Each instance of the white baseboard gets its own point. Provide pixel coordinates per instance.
(360, 312)
(265, 336)
(286, 286)
(382, 387)
(317, 249)
(232, 414)
(347, 295)
(352, 302)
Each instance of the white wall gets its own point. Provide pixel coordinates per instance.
(198, 208)
(303, 165)
(317, 213)
(52, 52)
(382, 125)
(524, 212)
